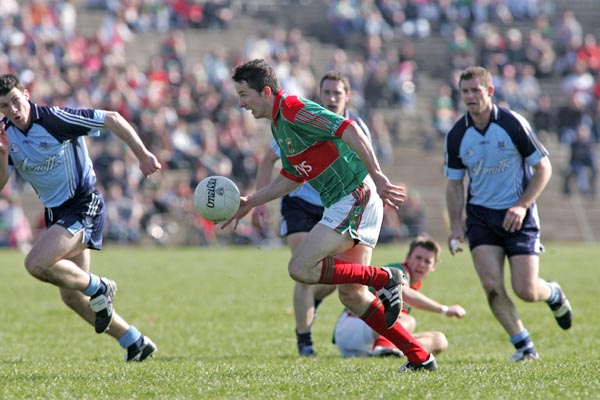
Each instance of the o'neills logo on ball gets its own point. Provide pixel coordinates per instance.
(211, 185)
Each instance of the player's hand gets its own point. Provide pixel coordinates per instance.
(456, 311)
(392, 195)
(454, 245)
(259, 216)
(456, 239)
(149, 164)
(513, 220)
(244, 209)
(4, 141)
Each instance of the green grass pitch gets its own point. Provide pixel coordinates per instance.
(223, 321)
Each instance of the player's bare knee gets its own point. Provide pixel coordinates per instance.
(526, 293)
(297, 273)
(441, 342)
(36, 268)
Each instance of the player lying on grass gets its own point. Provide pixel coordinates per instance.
(354, 338)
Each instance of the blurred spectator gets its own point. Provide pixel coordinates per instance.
(444, 114)
(15, 229)
(589, 53)
(582, 163)
(515, 50)
(405, 223)
(596, 119)
(345, 20)
(123, 215)
(529, 87)
(404, 77)
(508, 89)
(580, 82)
(570, 116)
(381, 137)
(460, 49)
(377, 89)
(539, 52)
(544, 118)
(217, 14)
(492, 48)
(568, 38)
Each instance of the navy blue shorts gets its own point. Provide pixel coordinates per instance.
(86, 212)
(298, 215)
(484, 227)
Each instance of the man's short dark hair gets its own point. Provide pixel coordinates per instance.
(257, 74)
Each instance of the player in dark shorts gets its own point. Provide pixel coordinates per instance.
(45, 146)
(508, 168)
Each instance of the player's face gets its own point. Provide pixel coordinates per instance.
(477, 97)
(253, 101)
(334, 96)
(15, 106)
(420, 263)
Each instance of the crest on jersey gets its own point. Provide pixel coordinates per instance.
(288, 142)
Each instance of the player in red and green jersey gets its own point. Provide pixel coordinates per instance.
(332, 153)
(302, 209)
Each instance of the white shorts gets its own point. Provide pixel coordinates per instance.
(359, 213)
(352, 336)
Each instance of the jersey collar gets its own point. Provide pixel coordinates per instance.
(277, 104)
(494, 115)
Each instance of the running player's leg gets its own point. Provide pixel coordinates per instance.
(47, 259)
(137, 346)
(368, 307)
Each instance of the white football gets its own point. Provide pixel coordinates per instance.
(216, 198)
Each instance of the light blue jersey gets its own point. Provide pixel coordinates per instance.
(306, 192)
(52, 155)
(499, 160)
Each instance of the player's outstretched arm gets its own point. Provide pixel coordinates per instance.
(392, 195)
(274, 190)
(418, 300)
(119, 126)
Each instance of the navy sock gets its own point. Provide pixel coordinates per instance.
(522, 341)
(304, 338)
(132, 337)
(100, 290)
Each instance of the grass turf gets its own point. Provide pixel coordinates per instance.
(223, 322)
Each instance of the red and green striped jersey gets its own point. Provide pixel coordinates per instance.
(309, 137)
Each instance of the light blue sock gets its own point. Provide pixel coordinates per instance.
(554, 295)
(130, 337)
(522, 340)
(93, 286)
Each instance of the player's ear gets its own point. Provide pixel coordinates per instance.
(267, 91)
(491, 90)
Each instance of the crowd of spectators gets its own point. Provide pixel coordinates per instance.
(187, 112)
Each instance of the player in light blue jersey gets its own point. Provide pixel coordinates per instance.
(45, 146)
(508, 169)
(302, 209)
